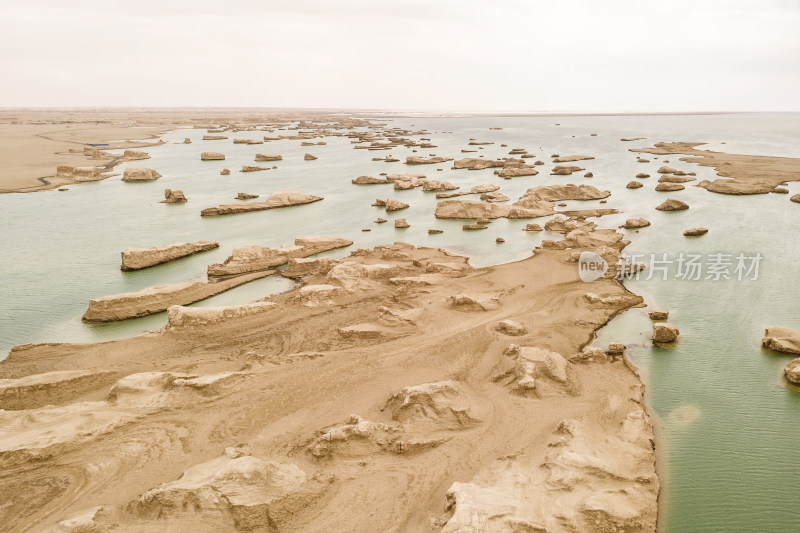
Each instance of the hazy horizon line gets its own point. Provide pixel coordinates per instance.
(397, 111)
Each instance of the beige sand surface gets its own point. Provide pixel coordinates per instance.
(740, 173)
(385, 394)
(33, 142)
(31, 152)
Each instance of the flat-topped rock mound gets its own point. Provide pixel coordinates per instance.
(556, 193)
(79, 174)
(138, 258)
(48, 388)
(473, 209)
(255, 258)
(212, 156)
(135, 155)
(269, 157)
(369, 180)
(571, 158)
(159, 298)
(508, 172)
(669, 187)
(436, 185)
(179, 316)
(253, 168)
(477, 163)
(695, 232)
(275, 200)
(415, 160)
(565, 170)
(636, 223)
(140, 174)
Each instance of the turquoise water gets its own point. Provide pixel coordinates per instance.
(727, 423)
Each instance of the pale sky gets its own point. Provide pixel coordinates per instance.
(433, 55)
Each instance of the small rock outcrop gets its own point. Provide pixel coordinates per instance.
(695, 232)
(79, 174)
(400, 223)
(434, 185)
(634, 185)
(225, 172)
(269, 157)
(252, 168)
(557, 193)
(254, 493)
(571, 158)
(368, 180)
(511, 327)
(665, 333)
(390, 204)
(658, 315)
(477, 163)
(416, 160)
(140, 174)
(635, 223)
(673, 205)
(174, 196)
(212, 156)
(669, 187)
(309, 157)
(615, 348)
(135, 155)
(792, 371)
(565, 170)
(783, 340)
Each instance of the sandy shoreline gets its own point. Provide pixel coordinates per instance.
(412, 341)
(33, 142)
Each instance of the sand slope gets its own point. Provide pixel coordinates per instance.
(380, 396)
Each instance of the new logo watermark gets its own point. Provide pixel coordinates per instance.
(718, 266)
(591, 266)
